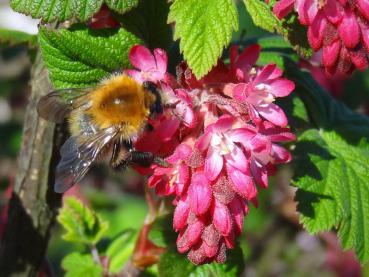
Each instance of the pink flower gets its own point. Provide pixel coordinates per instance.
(174, 179)
(241, 64)
(261, 93)
(219, 136)
(263, 150)
(340, 28)
(150, 67)
(218, 142)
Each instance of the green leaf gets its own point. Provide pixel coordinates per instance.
(289, 28)
(80, 57)
(292, 30)
(261, 15)
(13, 37)
(120, 250)
(332, 177)
(149, 22)
(77, 265)
(81, 224)
(57, 10)
(174, 264)
(62, 10)
(204, 27)
(161, 232)
(323, 109)
(122, 6)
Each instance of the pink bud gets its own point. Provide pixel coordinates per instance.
(242, 183)
(197, 255)
(180, 215)
(349, 29)
(363, 6)
(330, 53)
(210, 251)
(193, 232)
(237, 208)
(210, 235)
(222, 218)
(199, 194)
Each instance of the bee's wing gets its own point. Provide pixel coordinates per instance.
(56, 105)
(78, 156)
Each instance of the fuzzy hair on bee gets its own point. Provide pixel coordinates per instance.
(104, 119)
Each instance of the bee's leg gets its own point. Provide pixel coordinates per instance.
(119, 156)
(146, 159)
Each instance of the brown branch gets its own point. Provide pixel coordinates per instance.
(33, 206)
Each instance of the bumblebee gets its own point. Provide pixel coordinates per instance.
(102, 121)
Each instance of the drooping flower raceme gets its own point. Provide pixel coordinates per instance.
(220, 135)
(339, 27)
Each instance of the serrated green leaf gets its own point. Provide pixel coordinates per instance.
(57, 10)
(77, 265)
(13, 37)
(174, 264)
(325, 111)
(289, 28)
(62, 10)
(122, 6)
(205, 28)
(161, 231)
(261, 15)
(81, 224)
(332, 177)
(149, 22)
(80, 57)
(296, 34)
(120, 250)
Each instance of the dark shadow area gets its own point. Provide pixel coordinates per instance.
(25, 242)
(310, 198)
(303, 165)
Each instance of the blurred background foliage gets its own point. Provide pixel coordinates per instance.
(273, 242)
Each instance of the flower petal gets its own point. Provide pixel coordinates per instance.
(242, 135)
(280, 154)
(281, 87)
(161, 60)
(194, 231)
(180, 215)
(248, 57)
(222, 218)
(237, 209)
(203, 141)
(270, 71)
(363, 6)
(213, 164)
(333, 11)
(330, 53)
(242, 183)
(240, 92)
(349, 30)
(274, 114)
(167, 128)
(142, 58)
(283, 7)
(316, 31)
(259, 173)
(199, 194)
(223, 124)
(237, 159)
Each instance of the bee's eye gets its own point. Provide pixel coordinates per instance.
(118, 101)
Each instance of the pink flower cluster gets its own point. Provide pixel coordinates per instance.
(339, 27)
(220, 135)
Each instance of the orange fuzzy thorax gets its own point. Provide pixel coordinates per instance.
(120, 101)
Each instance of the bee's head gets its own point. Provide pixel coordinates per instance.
(156, 105)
